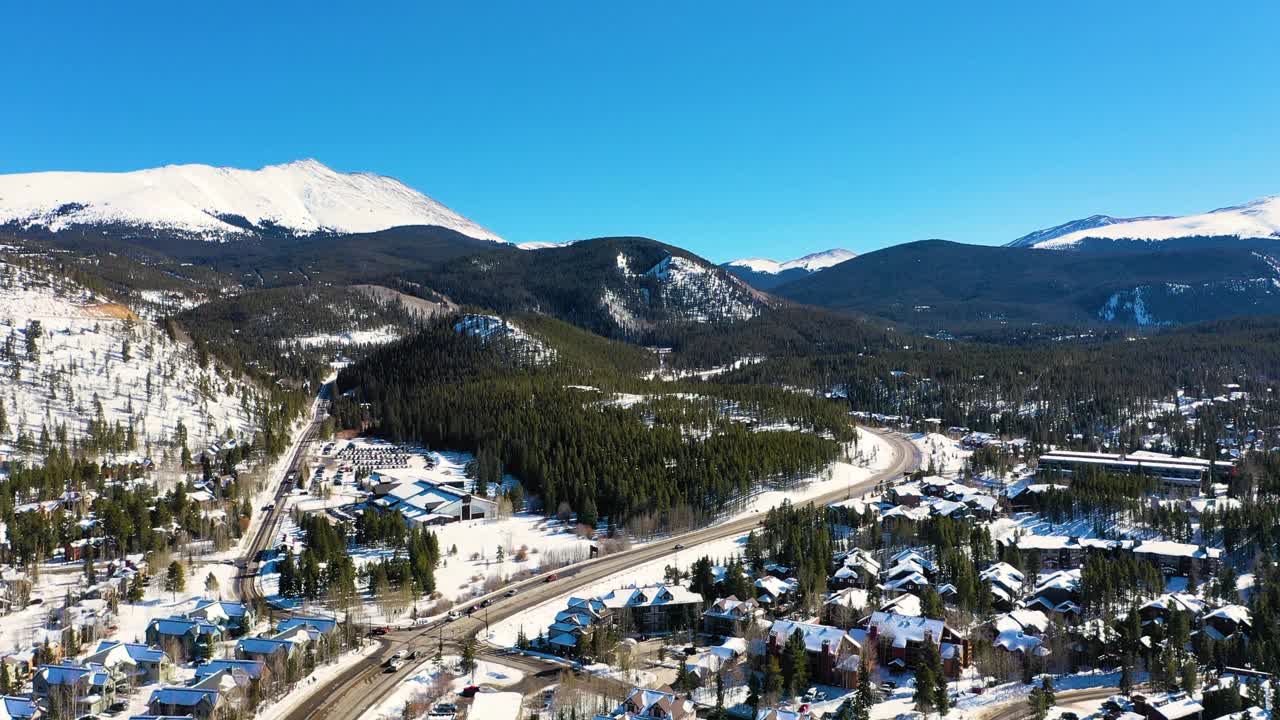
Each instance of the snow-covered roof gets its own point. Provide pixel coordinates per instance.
(775, 587)
(651, 595)
(905, 604)
(904, 629)
(1237, 614)
(1167, 548)
(497, 705)
(1026, 621)
(815, 636)
(1018, 641)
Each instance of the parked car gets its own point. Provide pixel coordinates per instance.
(469, 691)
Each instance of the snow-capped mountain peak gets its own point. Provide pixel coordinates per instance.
(809, 263)
(219, 203)
(1255, 219)
(1034, 239)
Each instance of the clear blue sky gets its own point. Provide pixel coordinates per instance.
(731, 129)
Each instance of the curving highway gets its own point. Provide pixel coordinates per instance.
(352, 693)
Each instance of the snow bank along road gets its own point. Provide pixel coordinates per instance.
(249, 565)
(352, 693)
(1019, 710)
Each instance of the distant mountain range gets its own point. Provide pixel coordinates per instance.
(938, 285)
(303, 222)
(765, 274)
(223, 204)
(1253, 220)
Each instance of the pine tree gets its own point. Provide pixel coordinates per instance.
(926, 689)
(175, 579)
(1047, 692)
(1126, 675)
(469, 654)
(865, 698)
(1035, 699)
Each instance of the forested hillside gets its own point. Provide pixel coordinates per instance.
(631, 288)
(89, 373)
(1049, 391)
(291, 330)
(564, 430)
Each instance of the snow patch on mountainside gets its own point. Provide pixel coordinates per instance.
(698, 294)
(809, 263)
(1256, 219)
(491, 327)
(218, 203)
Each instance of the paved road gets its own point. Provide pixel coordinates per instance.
(1019, 710)
(248, 563)
(355, 691)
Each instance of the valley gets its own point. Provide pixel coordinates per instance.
(279, 460)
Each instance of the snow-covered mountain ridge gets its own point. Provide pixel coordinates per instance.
(809, 263)
(219, 204)
(1256, 219)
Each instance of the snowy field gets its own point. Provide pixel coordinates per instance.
(376, 336)
(941, 453)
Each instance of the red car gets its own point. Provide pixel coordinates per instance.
(469, 691)
(551, 577)
(383, 630)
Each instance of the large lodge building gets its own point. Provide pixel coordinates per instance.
(1181, 476)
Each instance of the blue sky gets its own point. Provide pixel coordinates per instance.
(732, 129)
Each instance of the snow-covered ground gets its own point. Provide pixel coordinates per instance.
(876, 453)
(539, 617)
(314, 683)
(529, 542)
(941, 453)
(440, 679)
(89, 351)
(375, 336)
(970, 705)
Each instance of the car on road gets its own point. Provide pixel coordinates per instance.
(268, 507)
(487, 602)
(1068, 716)
(393, 666)
(380, 630)
(551, 577)
(510, 593)
(117, 707)
(453, 615)
(679, 546)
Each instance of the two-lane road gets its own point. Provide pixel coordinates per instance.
(249, 566)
